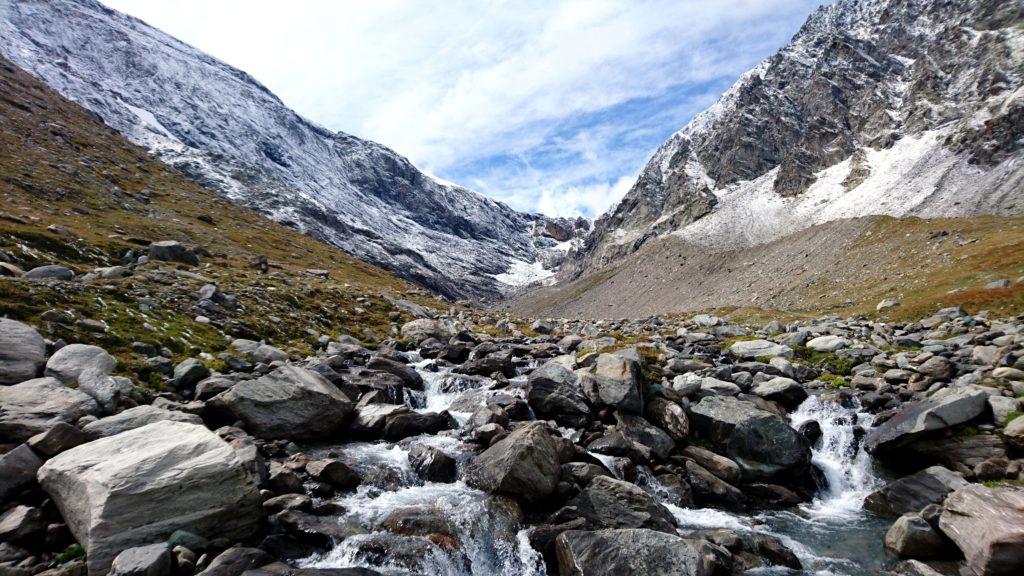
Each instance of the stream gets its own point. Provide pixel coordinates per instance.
(831, 535)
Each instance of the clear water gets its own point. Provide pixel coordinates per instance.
(831, 535)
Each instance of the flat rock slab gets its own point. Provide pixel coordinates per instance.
(987, 524)
(140, 486)
(946, 408)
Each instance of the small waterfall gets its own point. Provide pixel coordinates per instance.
(844, 464)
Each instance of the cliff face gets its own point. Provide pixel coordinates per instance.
(875, 107)
(233, 135)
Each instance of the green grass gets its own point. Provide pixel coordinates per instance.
(1012, 416)
(827, 361)
(834, 381)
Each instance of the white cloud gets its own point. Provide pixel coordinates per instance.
(455, 84)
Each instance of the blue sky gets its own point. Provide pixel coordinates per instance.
(549, 106)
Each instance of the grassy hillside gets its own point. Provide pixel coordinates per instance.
(76, 193)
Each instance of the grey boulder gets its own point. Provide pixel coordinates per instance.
(914, 492)
(610, 503)
(523, 465)
(32, 407)
(616, 383)
(987, 524)
(133, 418)
(146, 483)
(290, 402)
(632, 552)
(68, 363)
(760, 442)
(759, 348)
(22, 352)
(150, 560)
(554, 392)
(946, 408)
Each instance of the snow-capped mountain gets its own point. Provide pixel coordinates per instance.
(895, 107)
(227, 130)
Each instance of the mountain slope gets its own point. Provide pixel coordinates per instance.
(232, 134)
(887, 107)
(76, 193)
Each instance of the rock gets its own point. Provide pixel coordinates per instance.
(172, 251)
(616, 383)
(235, 561)
(710, 487)
(633, 552)
(996, 284)
(35, 406)
(638, 430)
(937, 367)
(334, 472)
(407, 374)
(17, 471)
(403, 425)
(151, 560)
(110, 392)
(1002, 407)
(759, 348)
(188, 373)
(715, 387)
(524, 465)
(760, 442)
(828, 343)
(21, 524)
(917, 568)
(670, 417)
(133, 418)
(50, 272)
(423, 328)
(1013, 433)
(68, 363)
(610, 503)
(912, 536)
(944, 409)
(720, 466)
(22, 352)
(290, 402)
(554, 392)
(431, 464)
(987, 524)
(783, 390)
(146, 483)
(62, 436)
(886, 304)
(914, 492)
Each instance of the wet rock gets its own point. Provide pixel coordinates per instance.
(431, 464)
(151, 560)
(334, 472)
(554, 392)
(235, 561)
(760, 442)
(35, 406)
(22, 352)
(946, 408)
(720, 466)
(137, 485)
(136, 417)
(637, 552)
(407, 374)
(914, 492)
(370, 419)
(172, 251)
(616, 383)
(987, 524)
(17, 471)
(524, 465)
(408, 424)
(290, 402)
(912, 536)
(68, 363)
(709, 487)
(610, 503)
(670, 417)
(419, 521)
(751, 550)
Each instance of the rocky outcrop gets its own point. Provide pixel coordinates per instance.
(146, 483)
(290, 402)
(761, 442)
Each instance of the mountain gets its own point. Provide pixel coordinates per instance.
(876, 107)
(233, 135)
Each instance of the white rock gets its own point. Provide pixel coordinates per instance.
(68, 363)
(828, 343)
(758, 348)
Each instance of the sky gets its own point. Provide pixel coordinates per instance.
(550, 106)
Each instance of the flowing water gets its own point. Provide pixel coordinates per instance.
(831, 534)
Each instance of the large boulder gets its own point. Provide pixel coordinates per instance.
(523, 465)
(786, 391)
(914, 492)
(32, 407)
(640, 431)
(22, 352)
(290, 402)
(610, 503)
(759, 348)
(827, 343)
(173, 251)
(68, 363)
(141, 486)
(944, 409)
(423, 328)
(760, 442)
(616, 383)
(133, 418)
(554, 392)
(912, 536)
(633, 552)
(987, 524)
